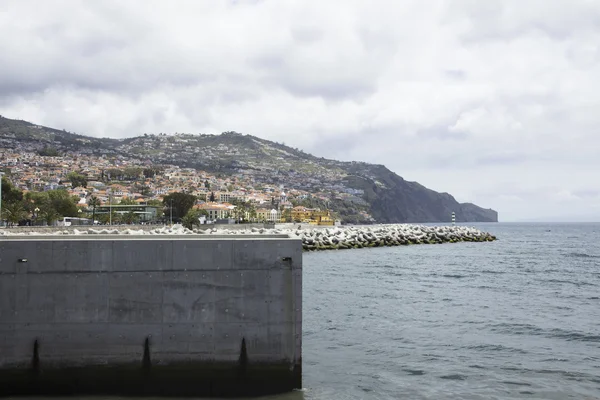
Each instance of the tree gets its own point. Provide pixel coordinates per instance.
(287, 215)
(192, 218)
(207, 184)
(146, 191)
(77, 179)
(151, 172)
(130, 218)
(9, 192)
(64, 204)
(94, 202)
(148, 173)
(252, 211)
(48, 152)
(114, 174)
(132, 173)
(49, 215)
(212, 196)
(14, 212)
(106, 218)
(126, 201)
(179, 204)
(36, 203)
(12, 202)
(157, 203)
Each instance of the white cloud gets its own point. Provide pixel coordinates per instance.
(493, 101)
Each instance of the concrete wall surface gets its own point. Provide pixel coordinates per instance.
(158, 315)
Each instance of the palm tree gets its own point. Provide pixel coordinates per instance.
(49, 215)
(94, 202)
(130, 218)
(14, 212)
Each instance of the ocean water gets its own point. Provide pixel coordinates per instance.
(516, 318)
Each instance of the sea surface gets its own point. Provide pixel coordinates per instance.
(518, 318)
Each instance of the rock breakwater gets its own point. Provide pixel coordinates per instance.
(317, 238)
(388, 235)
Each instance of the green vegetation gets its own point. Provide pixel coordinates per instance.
(77, 179)
(13, 212)
(286, 215)
(191, 218)
(159, 211)
(245, 211)
(112, 217)
(37, 207)
(94, 202)
(126, 201)
(178, 205)
(49, 152)
(130, 218)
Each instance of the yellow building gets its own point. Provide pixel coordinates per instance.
(323, 218)
(217, 210)
(268, 214)
(301, 214)
(312, 216)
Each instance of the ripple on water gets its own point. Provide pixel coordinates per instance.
(578, 284)
(454, 377)
(527, 324)
(580, 255)
(455, 276)
(477, 366)
(557, 333)
(516, 383)
(416, 372)
(495, 348)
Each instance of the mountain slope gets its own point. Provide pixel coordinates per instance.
(393, 199)
(351, 187)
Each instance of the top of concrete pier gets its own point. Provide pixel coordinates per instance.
(99, 237)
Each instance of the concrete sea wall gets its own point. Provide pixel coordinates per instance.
(150, 315)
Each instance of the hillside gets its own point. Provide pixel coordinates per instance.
(350, 187)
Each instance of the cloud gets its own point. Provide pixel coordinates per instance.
(492, 101)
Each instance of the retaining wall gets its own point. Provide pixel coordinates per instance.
(150, 315)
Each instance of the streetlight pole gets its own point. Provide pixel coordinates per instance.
(1, 175)
(110, 208)
(171, 211)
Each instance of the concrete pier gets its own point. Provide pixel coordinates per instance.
(150, 315)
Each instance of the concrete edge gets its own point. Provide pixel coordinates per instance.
(100, 236)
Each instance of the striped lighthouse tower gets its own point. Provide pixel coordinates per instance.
(453, 218)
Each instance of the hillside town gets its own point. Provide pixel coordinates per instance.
(102, 184)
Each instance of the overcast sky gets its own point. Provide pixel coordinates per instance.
(496, 102)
